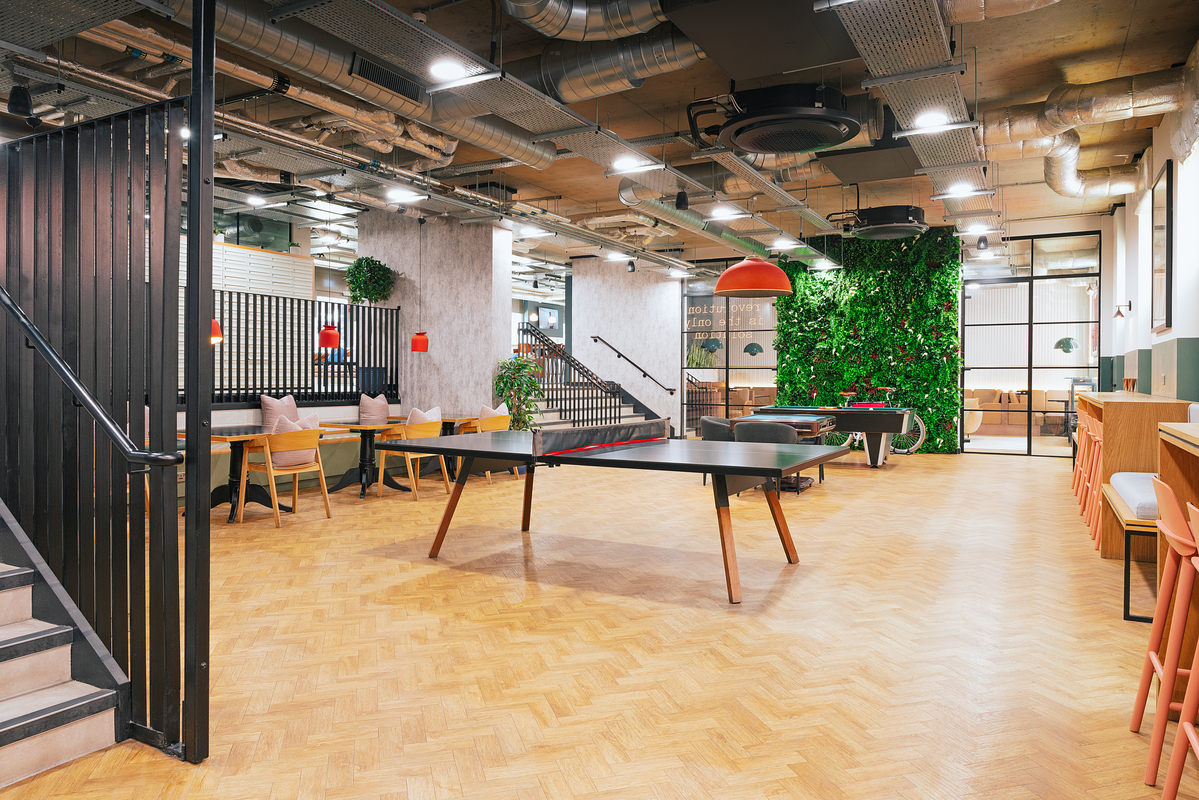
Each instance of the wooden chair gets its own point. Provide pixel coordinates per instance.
(1178, 573)
(487, 424)
(416, 430)
(1130, 384)
(276, 443)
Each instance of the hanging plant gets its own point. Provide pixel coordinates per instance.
(516, 384)
(369, 280)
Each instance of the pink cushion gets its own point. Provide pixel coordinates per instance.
(294, 458)
(372, 410)
(273, 408)
(499, 411)
(432, 415)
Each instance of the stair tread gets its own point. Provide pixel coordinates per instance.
(26, 627)
(28, 636)
(17, 710)
(15, 577)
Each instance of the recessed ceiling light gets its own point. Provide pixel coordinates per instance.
(255, 200)
(932, 119)
(447, 70)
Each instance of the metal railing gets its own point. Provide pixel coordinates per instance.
(632, 363)
(572, 390)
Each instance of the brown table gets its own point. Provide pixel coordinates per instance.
(1130, 444)
(237, 436)
(367, 472)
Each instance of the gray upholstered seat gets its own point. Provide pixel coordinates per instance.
(771, 432)
(715, 429)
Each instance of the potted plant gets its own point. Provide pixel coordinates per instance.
(218, 233)
(516, 384)
(293, 248)
(369, 280)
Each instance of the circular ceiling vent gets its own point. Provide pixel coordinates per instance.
(797, 118)
(890, 222)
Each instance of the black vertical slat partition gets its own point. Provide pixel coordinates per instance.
(90, 221)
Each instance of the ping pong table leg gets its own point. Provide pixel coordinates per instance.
(780, 522)
(724, 522)
(459, 482)
(528, 509)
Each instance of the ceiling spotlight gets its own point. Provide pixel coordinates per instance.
(255, 200)
(533, 314)
(405, 196)
(20, 103)
(982, 243)
(447, 70)
(681, 202)
(185, 132)
(932, 119)
(535, 283)
(632, 267)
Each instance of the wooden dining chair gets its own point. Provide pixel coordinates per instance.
(417, 430)
(500, 423)
(273, 448)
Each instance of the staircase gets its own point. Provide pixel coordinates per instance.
(548, 418)
(46, 718)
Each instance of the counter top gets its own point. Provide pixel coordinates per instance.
(1099, 398)
(1182, 434)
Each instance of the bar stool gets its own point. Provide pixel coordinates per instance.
(1178, 573)
(1186, 739)
(1094, 495)
(1083, 463)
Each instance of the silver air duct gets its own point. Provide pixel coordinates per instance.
(959, 11)
(574, 71)
(586, 20)
(1046, 129)
(309, 51)
(645, 200)
(727, 182)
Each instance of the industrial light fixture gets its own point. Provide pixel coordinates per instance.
(753, 277)
(931, 119)
(405, 196)
(420, 340)
(824, 264)
(978, 227)
(679, 273)
(631, 166)
(1119, 310)
(615, 256)
(982, 243)
(784, 243)
(447, 70)
(631, 267)
(217, 335)
(681, 202)
(727, 212)
(20, 103)
(960, 191)
(1066, 344)
(255, 200)
(535, 283)
(329, 337)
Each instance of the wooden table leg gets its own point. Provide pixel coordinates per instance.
(528, 509)
(724, 522)
(780, 523)
(460, 482)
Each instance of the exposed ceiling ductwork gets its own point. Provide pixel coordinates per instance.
(586, 20)
(959, 11)
(645, 200)
(1046, 129)
(573, 71)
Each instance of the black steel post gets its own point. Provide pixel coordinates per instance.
(198, 381)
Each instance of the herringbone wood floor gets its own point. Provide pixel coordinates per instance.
(949, 633)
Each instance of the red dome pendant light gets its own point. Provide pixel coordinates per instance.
(753, 277)
(217, 337)
(420, 341)
(329, 337)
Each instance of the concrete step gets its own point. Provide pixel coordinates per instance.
(53, 725)
(33, 654)
(16, 593)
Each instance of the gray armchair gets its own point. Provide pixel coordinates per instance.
(771, 433)
(715, 429)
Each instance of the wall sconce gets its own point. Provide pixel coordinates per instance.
(1119, 310)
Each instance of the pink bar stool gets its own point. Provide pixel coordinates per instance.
(1094, 481)
(1186, 738)
(1080, 461)
(1178, 573)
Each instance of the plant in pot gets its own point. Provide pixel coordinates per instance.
(218, 233)
(293, 248)
(516, 384)
(369, 280)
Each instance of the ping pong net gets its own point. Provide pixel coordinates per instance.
(580, 440)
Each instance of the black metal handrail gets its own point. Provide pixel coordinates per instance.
(632, 363)
(129, 450)
(571, 389)
(540, 339)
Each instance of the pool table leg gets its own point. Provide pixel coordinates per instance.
(878, 446)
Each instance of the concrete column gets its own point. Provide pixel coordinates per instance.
(453, 282)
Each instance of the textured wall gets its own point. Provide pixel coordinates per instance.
(460, 297)
(640, 313)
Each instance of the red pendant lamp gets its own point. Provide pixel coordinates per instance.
(217, 335)
(420, 342)
(329, 337)
(753, 277)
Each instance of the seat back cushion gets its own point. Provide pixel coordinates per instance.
(766, 432)
(273, 408)
(987, 396)
(1193, 412)
(499, 411)
(294, 458)
(372, 410)
(432, 415)
(1136, 490)
(715, 429)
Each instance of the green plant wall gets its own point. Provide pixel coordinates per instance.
(889, 318)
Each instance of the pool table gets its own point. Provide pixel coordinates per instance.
(877, 425)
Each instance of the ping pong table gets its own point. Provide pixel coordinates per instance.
(734, 467)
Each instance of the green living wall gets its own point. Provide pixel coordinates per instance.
(888, 318)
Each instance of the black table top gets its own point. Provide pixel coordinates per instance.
(670, 455)
(829, 410)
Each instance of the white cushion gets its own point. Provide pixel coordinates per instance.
(499, 411)
(372, 410)
(1136, 490)
(294, 458)
(273, 408)
(1193, 412)
(432, 415)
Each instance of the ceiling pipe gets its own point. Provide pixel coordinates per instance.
(574, 71)
(645, 200)
(656, 227)
(305, 49)
(586, 20)
(958, 11)
(722, 180)
(1046, 129)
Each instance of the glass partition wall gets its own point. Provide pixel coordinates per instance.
(1030, 339)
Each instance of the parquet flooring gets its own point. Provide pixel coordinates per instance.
(949, 633)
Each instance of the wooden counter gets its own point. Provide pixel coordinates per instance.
(1178, 467)
(1130, 444)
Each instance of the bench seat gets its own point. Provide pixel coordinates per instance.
(1132, 525)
